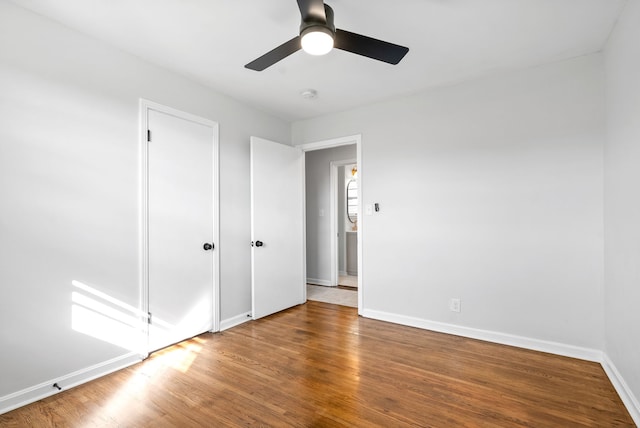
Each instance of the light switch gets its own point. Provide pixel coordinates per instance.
(321, 213)
(368, 209)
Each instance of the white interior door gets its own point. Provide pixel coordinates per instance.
(277, 222)
(180, 228)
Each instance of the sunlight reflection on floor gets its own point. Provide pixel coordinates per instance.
(152, 371)
(178, 357)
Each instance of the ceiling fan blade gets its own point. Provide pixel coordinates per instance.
(275, 55)
(369, 47)
(312, 11)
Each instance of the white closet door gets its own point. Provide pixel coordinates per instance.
(180, 228)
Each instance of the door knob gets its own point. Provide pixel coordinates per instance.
(207, 246)
(259, 244)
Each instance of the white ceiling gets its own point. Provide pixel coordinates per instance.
(210, 41)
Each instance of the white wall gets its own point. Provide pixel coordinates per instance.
(499, 202)
(317, 194)
(69, 182)
(622, 200)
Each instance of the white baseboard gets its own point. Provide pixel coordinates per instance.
(342, 273)
(234, 321)
(352, 273)
(489, 336)
(625, 393)
(46, 389)
(316, 281)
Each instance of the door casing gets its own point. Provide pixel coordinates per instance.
(328, 144)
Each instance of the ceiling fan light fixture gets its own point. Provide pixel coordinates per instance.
(317, 40)
(318, 35)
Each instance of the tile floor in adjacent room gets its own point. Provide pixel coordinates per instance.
(348, 281)
(335, 295)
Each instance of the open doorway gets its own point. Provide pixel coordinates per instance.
(333, 238)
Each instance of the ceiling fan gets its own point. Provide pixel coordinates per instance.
(318, 35)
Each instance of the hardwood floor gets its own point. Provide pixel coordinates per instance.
(320, 365)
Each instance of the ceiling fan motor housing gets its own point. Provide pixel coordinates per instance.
(325, 27)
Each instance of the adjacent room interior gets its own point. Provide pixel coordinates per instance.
(467, 172)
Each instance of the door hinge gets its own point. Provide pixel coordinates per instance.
(148, 317)
(148, 135)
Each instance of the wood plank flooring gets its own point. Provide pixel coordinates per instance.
(320, 365)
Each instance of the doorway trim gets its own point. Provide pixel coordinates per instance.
(144, 107)
(328, 144)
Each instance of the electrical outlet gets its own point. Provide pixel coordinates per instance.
(454, 305)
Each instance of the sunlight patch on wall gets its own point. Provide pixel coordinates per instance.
(111, 320)
(106, 318)
(106, 297)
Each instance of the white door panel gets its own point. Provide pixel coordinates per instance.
(180, 222)
(277, 221)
